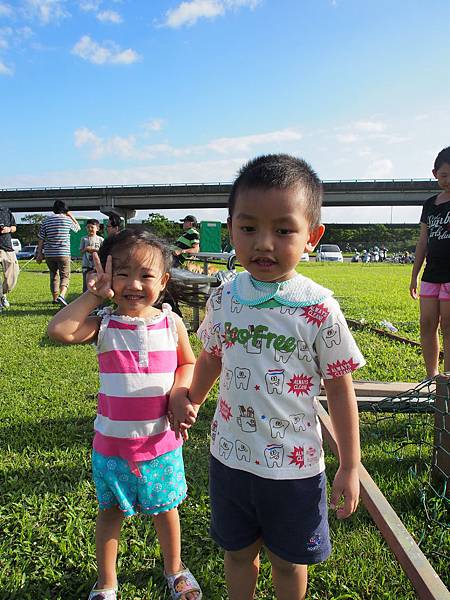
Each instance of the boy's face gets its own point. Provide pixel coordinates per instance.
(270, 232)
(443, 176)
(91, 229)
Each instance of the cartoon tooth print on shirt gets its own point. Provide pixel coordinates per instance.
(228, 378)
(278, 427)
(225, 448)
(283, 355)
(236, 306)
(216, 300)
(303, 352)
(274, 454)
(243, 451)
(254, 344)
(291, 310)
(298, 422)
(246, 420)
(241, 378)
(332, 335)
(274, 381)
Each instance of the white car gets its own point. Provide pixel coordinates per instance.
(329, 253)
(304, 257)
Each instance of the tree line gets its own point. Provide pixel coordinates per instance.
(350, 237)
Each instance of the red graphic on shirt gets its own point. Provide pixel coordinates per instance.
(216, 351)
(341, 367)
(300, 384)
(296, 457)
(225, 410)
(317, 313)
(257, 388)
(229, 338)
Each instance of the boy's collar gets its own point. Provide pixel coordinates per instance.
(298, 291)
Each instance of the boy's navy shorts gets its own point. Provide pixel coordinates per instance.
(290, 515)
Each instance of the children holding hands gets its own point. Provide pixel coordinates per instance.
(272, 335)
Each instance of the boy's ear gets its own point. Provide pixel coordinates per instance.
(314, 237)
(230, 230)
(434, 173)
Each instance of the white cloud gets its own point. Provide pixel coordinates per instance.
(87, 49)
(130, 148)
(109, 16)
(6, 10)
(153, 125)
(189, 12)
(89, 5)
(46, 11)
(347, 138)
(380, 169)
(5, 70)
(245, 143)
(369, 126)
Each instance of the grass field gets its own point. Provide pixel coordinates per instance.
(47, 500)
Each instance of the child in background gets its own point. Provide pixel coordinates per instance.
(271, 334)
(89, 245)
(434, 244)
(144, 356)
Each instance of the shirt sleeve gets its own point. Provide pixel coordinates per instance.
(12, 221)
(337, 352)
(41, 233)
(426, 210)
(82, 243)
(209, 332)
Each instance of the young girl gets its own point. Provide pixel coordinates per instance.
(434, 244)
(144, 357)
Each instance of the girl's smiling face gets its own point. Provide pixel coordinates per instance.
(138, 280)
(443, 177)
(270, 232)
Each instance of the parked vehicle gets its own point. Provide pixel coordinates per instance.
(17, 246)
(304, 257)
(329, 253)
(27, 253)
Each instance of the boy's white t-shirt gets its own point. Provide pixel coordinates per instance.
(273, 360)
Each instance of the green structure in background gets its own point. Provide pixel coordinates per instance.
(75, 238)
(210, 236)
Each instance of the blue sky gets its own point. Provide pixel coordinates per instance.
(108, 92)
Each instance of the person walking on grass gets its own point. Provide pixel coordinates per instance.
(433, 246)
(8, 258)
(54, 243)
(271, 334)
(144, 357)
(88, 245)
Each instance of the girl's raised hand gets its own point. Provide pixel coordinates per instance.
(100, 282)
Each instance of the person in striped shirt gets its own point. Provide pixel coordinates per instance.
(144, 358)
(188, 243)
(54, 244)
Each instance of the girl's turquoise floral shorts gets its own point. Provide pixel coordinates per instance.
(149, 487)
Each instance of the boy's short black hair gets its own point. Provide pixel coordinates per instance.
(442, 158)
(281, 171)
(93, 222)
(115, 220)
(60, 207)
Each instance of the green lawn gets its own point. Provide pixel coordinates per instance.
(47, 500)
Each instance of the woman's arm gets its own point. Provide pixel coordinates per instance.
(419, 257)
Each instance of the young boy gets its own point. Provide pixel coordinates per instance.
(271, 335)
(89, 244)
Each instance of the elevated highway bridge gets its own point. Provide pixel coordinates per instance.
(125, 200)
